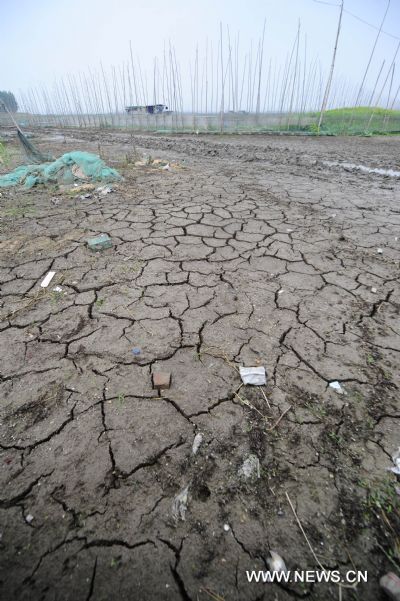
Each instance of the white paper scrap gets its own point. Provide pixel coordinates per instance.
(337, 387)
(253, 375)
(48, 279)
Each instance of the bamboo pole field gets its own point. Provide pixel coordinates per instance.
(223, 87)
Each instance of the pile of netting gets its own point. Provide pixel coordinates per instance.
(71, 167)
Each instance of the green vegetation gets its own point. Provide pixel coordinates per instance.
(8, 99)
(17, 211)
(317, 409)
(4, 154)
(55, 296)
(382, 507)
(360, 120)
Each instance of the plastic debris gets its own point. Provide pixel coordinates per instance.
(83, 188)
(136, 350)
(100, 242)
(57, 289)
(166, 167)
(29, 518)
(85, 196)
(379, 251)
(179, 505)
(253, 375)
(48, 279)
(227, 527)
(198, 439)
(390, 584)
(337, 387)
(276, 563)
(396, 461)
(250, 467)
(104, 190)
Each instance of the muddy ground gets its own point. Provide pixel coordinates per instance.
(248, 251)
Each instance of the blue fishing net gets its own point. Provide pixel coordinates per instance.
(69, 168)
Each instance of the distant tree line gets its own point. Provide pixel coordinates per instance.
(8, 99)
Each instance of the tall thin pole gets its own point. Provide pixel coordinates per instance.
(222, 82)
(369, 62)
(260, 70)
(329, 82)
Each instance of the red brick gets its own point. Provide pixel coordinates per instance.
(161, 380)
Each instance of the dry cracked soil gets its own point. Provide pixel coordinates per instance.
(247, 251)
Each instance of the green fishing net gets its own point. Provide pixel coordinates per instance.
(69, 168)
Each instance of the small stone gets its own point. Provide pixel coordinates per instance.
(161, 380)
(379, 251)
(374, 290)
(227, 527)
(250, 467)
(29, 518)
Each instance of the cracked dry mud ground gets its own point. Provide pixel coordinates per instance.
(254, 253)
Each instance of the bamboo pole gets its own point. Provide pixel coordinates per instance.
(369, 62)
(329, 82)
(260, 70)
(294, 76)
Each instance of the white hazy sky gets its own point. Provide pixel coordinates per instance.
(42, 39)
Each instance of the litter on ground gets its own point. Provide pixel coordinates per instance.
(100, 242)
(104, 190)
(48, 279)
(390, 584)
(396, 460)
(198, 439)
(179, 505)
(253, 375)
(276, 563)
(337, 387)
